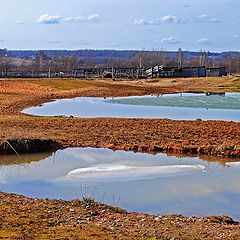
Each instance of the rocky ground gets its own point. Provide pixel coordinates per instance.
(22, 218)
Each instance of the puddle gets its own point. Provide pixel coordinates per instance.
(186, 106)
(140, 182)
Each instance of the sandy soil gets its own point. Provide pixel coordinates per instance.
(23, 218)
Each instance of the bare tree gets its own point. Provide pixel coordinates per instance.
(180, 57)
(5, 64)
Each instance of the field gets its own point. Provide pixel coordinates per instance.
(23, 218)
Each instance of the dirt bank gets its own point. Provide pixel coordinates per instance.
(214, 138)
(28, 146)
(23, 218)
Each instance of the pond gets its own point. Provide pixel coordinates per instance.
(185, 106)
(140, 182)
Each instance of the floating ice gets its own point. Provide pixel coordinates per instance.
(229, 101)
(102, 168)
(132, 172)
(232, 164)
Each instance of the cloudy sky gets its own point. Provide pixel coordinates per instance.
(120, 24)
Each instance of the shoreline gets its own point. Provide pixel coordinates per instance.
(57, 219)
(216, 138)
(69, 220)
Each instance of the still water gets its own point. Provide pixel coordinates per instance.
(140, 182)
(186, 106)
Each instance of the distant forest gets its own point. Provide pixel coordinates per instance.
(66, 60)
(30, 54)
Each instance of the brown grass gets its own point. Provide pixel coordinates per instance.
(22, 218)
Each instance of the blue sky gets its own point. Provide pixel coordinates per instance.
(120, 24)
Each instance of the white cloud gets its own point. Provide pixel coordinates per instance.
(205, 41)
(140, 22)
(206, 18)
(213, 20)
(91, 18)
(174, 19)
(158, 21)
(169, 40)
(56, 19)
(170, 19)
(48, 19)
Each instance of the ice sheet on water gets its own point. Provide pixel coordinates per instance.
(228, 101)
(232, 164)
(132, 172)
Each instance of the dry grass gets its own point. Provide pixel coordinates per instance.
(22, 218)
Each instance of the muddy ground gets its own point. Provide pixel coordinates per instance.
(23, 218)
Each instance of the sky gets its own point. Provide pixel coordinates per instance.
(212, 25)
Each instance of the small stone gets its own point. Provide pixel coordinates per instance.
(157, 218)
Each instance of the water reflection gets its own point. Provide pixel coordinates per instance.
(152, 183)
(12, 159)
(185, 106)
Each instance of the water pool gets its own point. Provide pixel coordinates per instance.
(186, 106)
(140, 182)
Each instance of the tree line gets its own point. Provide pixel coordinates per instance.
(44, 61)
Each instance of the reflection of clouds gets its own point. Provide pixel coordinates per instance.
(81, 157)
(95, 156)
(3, 178)
(84, 100)
(90, 156)
(87, 101)
(217, 184)
(12, 172)
(206, 185)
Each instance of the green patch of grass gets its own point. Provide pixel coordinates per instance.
(152, 238)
